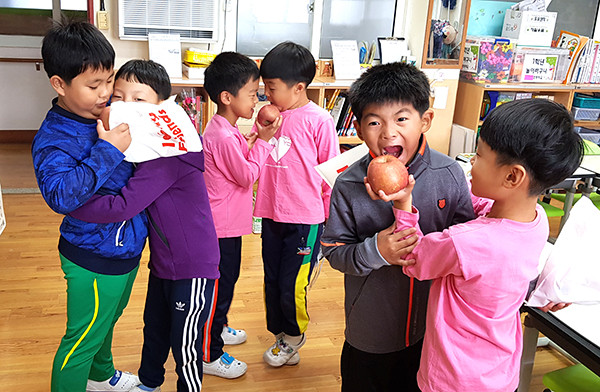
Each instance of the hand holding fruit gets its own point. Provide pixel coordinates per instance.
(266, 124)
(267, 114)
(119, 136)
(387, 179)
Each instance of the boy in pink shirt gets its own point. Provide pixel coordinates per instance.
(481, 269)
(233, 164)
(292, 198)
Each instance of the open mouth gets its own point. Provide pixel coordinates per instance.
(393, 150)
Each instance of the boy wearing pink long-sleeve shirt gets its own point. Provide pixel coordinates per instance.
(292, 198)
(233, 164)
(481, 269)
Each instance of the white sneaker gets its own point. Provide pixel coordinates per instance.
(226, 366)
(120, 381)
(146, 389)
(294, 360)
(233, 336)
(282, 352)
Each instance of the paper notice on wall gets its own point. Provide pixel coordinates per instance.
(2, 216)
(165, 49)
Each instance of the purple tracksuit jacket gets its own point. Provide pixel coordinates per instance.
(183, 240)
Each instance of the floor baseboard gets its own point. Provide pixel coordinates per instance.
(17, 136)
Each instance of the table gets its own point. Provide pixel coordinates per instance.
(574, 329)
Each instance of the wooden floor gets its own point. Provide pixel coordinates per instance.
(32, 307)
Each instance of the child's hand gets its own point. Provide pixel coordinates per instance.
(250, 138)
(395, 246)
(266, 132)
(119, 136)
(554, 307)
(402, 199)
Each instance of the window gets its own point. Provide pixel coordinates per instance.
(262, 24)
(34, 17)
(360, 20)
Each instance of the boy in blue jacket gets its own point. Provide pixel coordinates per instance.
(74, 158)
(184, 250)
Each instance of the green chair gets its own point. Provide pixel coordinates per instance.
(551, 211)
(576, 378)
(594, 197)
(591, 148)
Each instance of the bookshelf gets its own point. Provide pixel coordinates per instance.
(320, 91)
(469, 97)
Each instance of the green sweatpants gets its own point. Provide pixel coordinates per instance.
(94, 304)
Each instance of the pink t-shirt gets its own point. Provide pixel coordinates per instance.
(231, 170)
(480, 272)
(289, 189)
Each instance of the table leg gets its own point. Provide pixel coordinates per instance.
(530, 338)
(569, 197)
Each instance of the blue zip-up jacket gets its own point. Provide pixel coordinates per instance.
(71, 165)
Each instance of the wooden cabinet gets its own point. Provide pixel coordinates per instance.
(469, 97)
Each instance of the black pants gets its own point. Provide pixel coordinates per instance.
(174, 315)
(229, 268)
(392, 372)
(289, 253)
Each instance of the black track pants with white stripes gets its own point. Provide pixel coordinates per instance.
(174, 315)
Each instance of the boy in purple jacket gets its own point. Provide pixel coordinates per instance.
(184, 251)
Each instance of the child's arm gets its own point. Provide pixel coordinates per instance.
(434, 256)
(150, 180)
(235, 167)
(352, 255)
(67, 182)
(328, 146)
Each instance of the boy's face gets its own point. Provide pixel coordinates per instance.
(244, 102)
(129, 91)
(87, 94)
(393, 128)
(486, 174)
(283, 96)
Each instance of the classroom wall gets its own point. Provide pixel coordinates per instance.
(27, 94)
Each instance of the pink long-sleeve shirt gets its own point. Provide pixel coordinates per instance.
(231, 170)
(480, 272)
(289, 189)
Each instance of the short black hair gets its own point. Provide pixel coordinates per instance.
(229, 71)
(70, 48)
(149, 73)
(390, 83)
(290, 62)
(538, 134)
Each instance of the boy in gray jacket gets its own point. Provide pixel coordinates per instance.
(385, 309)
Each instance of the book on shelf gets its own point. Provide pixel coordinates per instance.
(336, 109)
(582, 65)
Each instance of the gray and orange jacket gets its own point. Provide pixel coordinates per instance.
(385, 309)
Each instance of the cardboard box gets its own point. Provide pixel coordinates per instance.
(529, 27)
(487, 59)
(193, 71)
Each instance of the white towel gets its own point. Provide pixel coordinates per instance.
(572, 270)
(163, 130)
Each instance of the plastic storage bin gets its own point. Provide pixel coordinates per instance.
(586, 101)
(487, 59)
(585, 114)
(588, 134)
(541, 65)
(201, 58)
